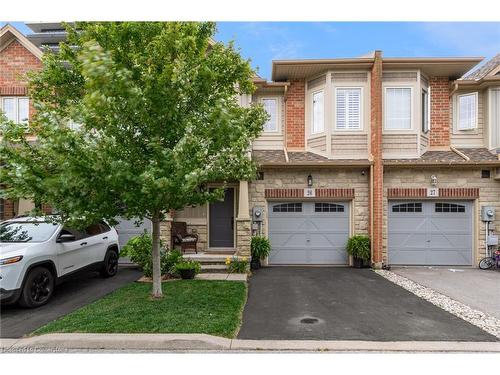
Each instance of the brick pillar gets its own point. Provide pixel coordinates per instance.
(243, 236)
(295, 115)
(376, 206)
(440, 111)
(8, 209)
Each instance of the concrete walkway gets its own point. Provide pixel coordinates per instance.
(88, 342)
(471, 286)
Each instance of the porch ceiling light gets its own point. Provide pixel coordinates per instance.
(309, 181)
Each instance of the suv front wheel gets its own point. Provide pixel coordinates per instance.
(110, 266)
(38, 287)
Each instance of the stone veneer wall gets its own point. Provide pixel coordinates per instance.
(489, 192)
(243, 237)
(322, 178)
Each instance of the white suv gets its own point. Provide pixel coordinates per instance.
(36, 255)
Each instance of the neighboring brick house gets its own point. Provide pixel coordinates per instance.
(402, 149)
(17, 57)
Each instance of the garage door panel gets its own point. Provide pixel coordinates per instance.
(315, 234)
(430, 233)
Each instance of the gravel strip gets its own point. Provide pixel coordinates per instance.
(484, 321)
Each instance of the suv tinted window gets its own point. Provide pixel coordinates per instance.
(94, 230)
(77, 233)
(105, 227)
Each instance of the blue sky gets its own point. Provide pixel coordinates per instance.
(263, 42)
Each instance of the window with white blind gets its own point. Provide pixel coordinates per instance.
(495, 117)
(397, 113)
(318, 124)
(271, 107)
(348, 108)
(15, 108)
(467, 111)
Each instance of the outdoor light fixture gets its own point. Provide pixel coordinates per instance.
(309, 181)
(434, 180)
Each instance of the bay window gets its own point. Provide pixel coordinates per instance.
(397, 112)
(318, 125)
(425, 111)
(15, 108)
(467, 111)
(348, 108)
(495, 117)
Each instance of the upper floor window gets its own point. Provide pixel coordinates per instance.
(397, 108)
(318, 123)
(15, 108)
(348, 108)
(467, 111)
(425, 111)
(271, 107)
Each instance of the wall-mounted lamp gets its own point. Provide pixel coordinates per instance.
(309, 181)
(434, 180)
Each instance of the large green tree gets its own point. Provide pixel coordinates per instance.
(153, 115)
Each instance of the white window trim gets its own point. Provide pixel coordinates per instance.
(278, 114)
(491, 145)
(312, 112)
(411, 128)
(16, 109)
(476, 119)
(361, 112)
(428, 91)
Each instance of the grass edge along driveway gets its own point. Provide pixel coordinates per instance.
(188, 306)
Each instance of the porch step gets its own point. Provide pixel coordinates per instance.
(213, 268)
(221, 251)
(207, 258)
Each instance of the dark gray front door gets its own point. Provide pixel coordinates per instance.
(430, 233)
(222, 221)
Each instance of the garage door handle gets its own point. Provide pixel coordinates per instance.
(428, 241)
(83, 243)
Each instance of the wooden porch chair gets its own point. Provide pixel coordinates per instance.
(180, 236)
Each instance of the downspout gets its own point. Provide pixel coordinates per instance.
(285, 125)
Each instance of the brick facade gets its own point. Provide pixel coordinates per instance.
(376, 203)
(295, 115)
(468, 193)
(15, 62)
(319, 193)
(440, 111)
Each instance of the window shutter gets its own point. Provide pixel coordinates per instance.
(398, 108)
(348, 108)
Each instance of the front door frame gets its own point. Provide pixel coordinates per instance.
(234, 186)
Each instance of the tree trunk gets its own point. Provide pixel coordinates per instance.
(157, 292)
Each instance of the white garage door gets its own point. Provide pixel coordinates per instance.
(308, 232)
(128, 228)
(430, 233)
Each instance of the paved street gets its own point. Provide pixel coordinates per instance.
(319, 303)
(69, 296)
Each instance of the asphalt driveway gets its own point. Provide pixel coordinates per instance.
(476, 288)
(309, 303)
(74, 293)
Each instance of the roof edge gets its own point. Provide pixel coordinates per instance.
(25, 42)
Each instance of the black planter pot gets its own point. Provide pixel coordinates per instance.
(358, 262)
(187, 274)
(255, 264)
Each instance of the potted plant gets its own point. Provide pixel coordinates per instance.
(359, 247)
(188, 269)
(260, 249)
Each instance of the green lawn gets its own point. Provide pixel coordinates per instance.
(188, 306)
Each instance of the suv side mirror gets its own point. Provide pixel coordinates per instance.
(67, 237)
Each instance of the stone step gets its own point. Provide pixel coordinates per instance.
(207, 258)
(213, 268)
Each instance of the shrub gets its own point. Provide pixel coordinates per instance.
(172, 258)
(260, 247)
(188, 265)
(139, 250)
(359, 246)
(237, 265)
